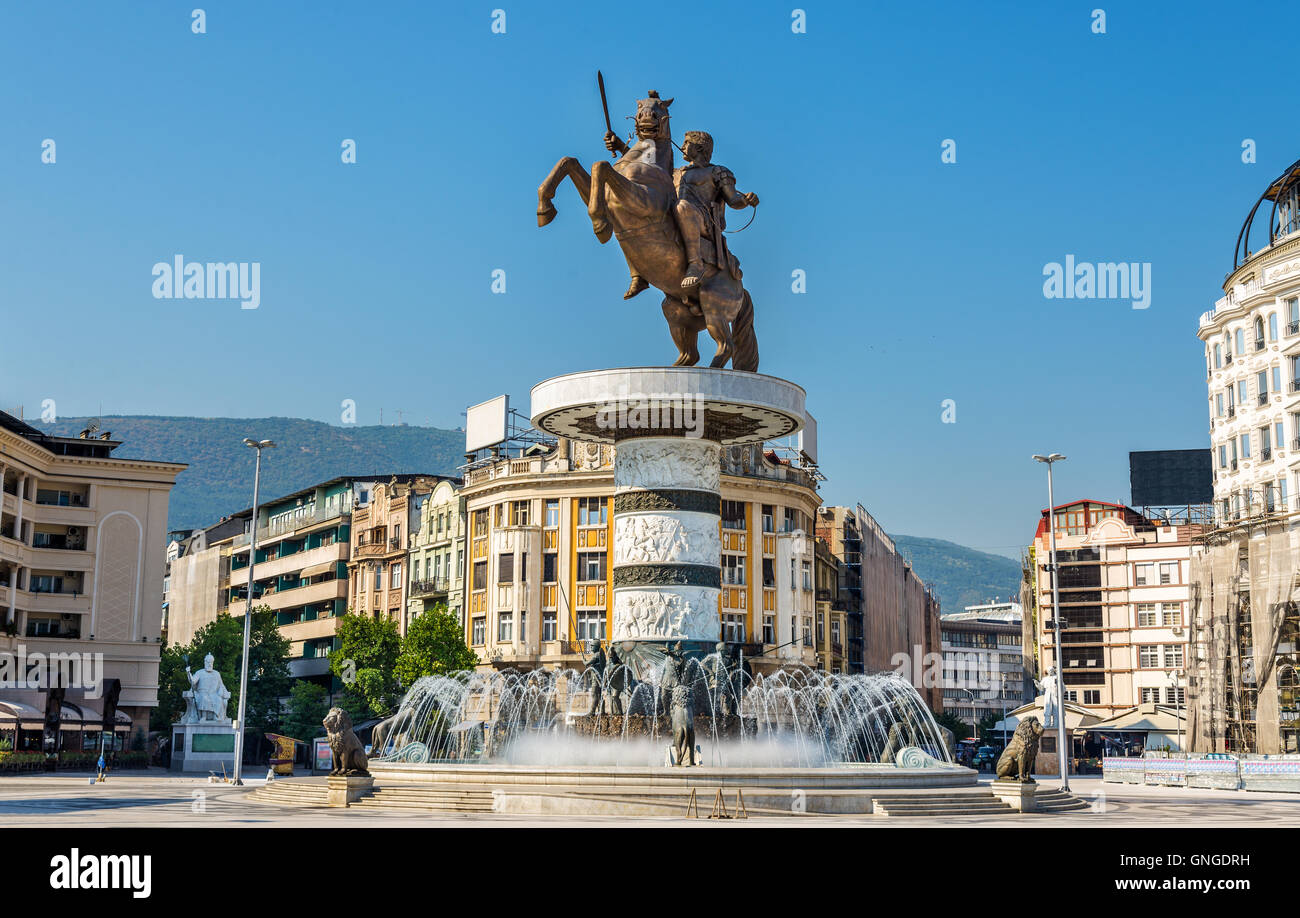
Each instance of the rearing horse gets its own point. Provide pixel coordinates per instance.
(633, 200)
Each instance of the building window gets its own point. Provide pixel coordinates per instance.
(480, 523)
(1148, 656)
(1171, 615)
(480, 575)
(591, 566)
(1146, 614)
(1173, 656)
(733, 570)
(1150, 695)
(769, 572)
(1272, 326)
(505, 627)
(519, 513)
(552, 514)
(591, 625)
(1144, 574)
(395, 579)
(767, 518)
(1092, 696)
(769, 629)
(379, 577)
(807, 632)
(1175, 695)
(479, 633)
(548, 626)
(591, 511)
(733, 629)
(807, 575)
(550, 561)
(506, 567)
(1168, 571)
(733, 514)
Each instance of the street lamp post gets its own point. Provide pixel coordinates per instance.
(1062, 750)
(1174, 676)
(258, 445)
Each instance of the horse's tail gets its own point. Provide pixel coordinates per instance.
(744, 342)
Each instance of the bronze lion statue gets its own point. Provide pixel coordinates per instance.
(349, 756)
(1017, 761)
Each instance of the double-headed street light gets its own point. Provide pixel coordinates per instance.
(258, 445)
(1062, 749)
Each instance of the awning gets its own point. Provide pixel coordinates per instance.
(316, 570)
(72, 717)
(1145, 718)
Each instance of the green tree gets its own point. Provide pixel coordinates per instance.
(434, 646)
(307, 707)
(960, 729)
(366, 661)
(268, 670)
(171, 682)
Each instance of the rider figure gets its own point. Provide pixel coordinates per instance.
(702, 189)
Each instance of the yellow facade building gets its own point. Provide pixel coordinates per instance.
(539, 581)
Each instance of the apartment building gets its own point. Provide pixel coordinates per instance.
(539, 585)
(1124, 603)
(1245, 615)
(80, 566)
(301, 571)
(984, 668)
(379, 571)
(438, 552)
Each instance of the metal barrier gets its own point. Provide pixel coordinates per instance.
(1221, 771)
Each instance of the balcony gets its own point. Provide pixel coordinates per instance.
(1259, 344)
(1232, 411)
(370, 549)
(1262, 399)
(1265, 454)
(1227, 360)
(1293, 328)
(427, 588)
(1295, 385)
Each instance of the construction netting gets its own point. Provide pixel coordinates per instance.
(1243, 693)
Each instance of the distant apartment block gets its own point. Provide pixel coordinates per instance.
(984, 667)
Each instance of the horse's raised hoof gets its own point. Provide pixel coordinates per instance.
(692, 278)
(603, 230)
(546, 213)
(638, 284)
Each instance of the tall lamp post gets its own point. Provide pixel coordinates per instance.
(258, 445)
(1062, 749)
(1174, 676)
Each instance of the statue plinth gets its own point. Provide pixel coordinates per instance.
(1019, 795)
(668, 425)
(347, 790)
(205, 746)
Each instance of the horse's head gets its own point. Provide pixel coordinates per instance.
(652, 117)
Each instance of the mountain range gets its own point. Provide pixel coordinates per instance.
(219, 480)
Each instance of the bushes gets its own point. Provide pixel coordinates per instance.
(13, 762)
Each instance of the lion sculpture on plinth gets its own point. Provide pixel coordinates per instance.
(349, 756)
(1017, 761)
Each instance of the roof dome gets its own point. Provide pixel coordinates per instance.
(1284, 215)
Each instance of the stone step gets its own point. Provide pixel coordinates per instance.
(997, 810)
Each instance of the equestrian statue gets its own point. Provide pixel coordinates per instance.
(670, 223)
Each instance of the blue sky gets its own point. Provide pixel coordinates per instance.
(924, 279)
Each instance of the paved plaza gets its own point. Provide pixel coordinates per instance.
(160, 799)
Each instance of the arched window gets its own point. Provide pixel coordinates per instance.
(1259, 333)
(1241, 342)
(1218, 356)
(1272, 326)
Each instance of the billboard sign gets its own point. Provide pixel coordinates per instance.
(485, 423)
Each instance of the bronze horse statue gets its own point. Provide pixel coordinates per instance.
(633, 200)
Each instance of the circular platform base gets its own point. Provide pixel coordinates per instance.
(725, 406)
